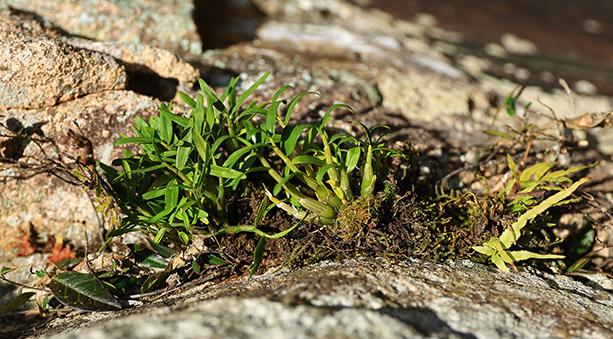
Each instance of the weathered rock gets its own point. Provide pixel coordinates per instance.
(423, 96)
(162, 23)
(39, 71)
(366, 299)
(48, 203)
(26, 23)
(137, 57)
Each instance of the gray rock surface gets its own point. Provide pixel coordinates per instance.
(39, 71)
(368, 299)
(162, 23)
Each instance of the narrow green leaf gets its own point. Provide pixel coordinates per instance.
(4, 270)
(228, 173)
(196, 267)
(353, 156)
(135, 140)
(484, 250)
(212, 98)
(182, 157)
(177, 119)
(258, 255)
(165, 128)
(369, 178)
(563, 174)
(579, 264)
(240, 153)
(511, 164)
(201, 147)
(500, 134)
(241, 99)
(308, 159)
(154, 260)
(294, 102)
(290, 137)
(184, 237)
(213, 259)
(497, 260)
(162, 250)
(229, 93)
(322, 171)
(210, 116)
(171, 198)
(159, 235)
(282, 183)
(328, 115)
(154, 193)
(525, 255)
(218, 142)
(535, 172)
(186, 99)
(198, 114)
(263, 209)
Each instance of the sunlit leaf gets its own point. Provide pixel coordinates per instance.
(353, 157)
(186, 99)
(227, 173)
(4, 270)
(525, 255)
(510, 235)
(535, 172)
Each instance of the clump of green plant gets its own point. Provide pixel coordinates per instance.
(187, 167)
(498, 248)
(523, 192)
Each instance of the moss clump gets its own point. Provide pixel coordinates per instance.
(358, 218)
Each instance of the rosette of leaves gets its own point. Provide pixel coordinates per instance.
(322, 173)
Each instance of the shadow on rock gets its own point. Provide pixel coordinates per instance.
(13, 145)
(153, 85)
(224, 23)
(424, 320)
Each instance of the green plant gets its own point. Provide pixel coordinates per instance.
(498, 248)
(524, 183)
(188, 167)
(510, 101)
(322, 173)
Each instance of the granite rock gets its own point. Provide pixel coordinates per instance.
(39, 71)
(365, 299)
